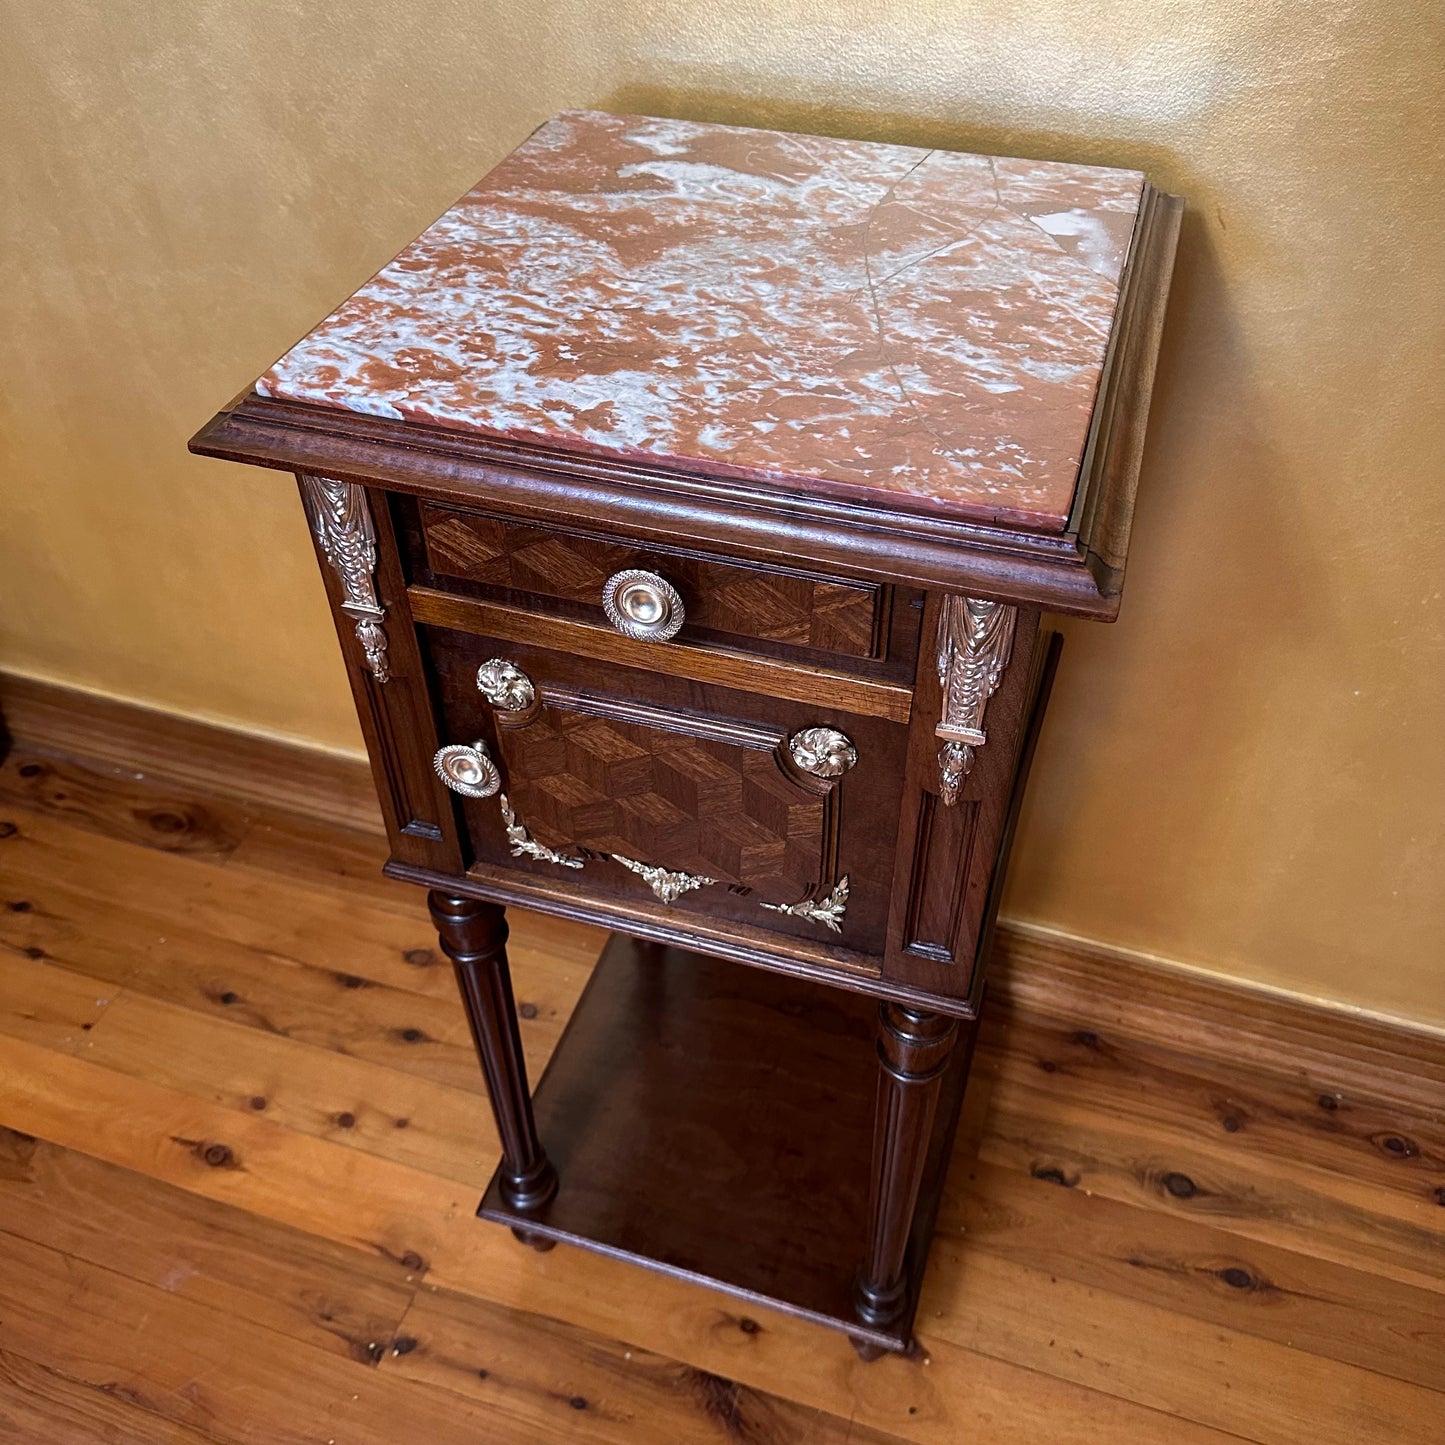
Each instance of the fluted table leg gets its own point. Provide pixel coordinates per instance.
(473, 935)
(914, 1046)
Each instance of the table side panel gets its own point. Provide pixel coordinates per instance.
(947, 854)
(359, 562)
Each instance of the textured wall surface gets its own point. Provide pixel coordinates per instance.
(1246, 773)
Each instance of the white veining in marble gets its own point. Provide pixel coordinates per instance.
(842, 315)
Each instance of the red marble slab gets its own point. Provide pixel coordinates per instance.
(922, 327)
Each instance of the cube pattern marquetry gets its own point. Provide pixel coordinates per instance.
(778, 607)
(696, 805)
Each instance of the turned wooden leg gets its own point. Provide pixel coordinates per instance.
(913, 1051)
(474, 936)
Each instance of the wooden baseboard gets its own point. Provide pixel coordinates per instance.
(1115, 993)
(49, 717)
(1036, 972)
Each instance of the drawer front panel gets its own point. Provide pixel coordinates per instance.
(630, 785)
(723, 599)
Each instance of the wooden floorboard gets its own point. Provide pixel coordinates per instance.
(1258, 1112)
(1278, 1201)
(39, 1403)
(1191, 1268)
(287, 1280)
(243, 1138)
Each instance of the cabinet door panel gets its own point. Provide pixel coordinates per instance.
(650, 783)
(637, 785)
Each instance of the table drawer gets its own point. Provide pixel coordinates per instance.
(567, 574)
(633, 787)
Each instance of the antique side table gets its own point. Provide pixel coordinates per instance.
(688, 498)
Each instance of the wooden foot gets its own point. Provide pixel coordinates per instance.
(540, 1242)
(913, 1051)
(473, 935)
(867, 1350)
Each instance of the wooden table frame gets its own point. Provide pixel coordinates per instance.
(957, 627)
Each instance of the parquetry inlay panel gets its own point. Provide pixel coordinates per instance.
(700, 805)
(802, 611)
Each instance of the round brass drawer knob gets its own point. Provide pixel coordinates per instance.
(467, 769)
(643, 606)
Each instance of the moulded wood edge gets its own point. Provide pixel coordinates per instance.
(1041, 973)
(852, 541)
(1077, 568)
(1109, 480)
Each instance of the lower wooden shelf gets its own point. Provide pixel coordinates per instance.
(715, 1122)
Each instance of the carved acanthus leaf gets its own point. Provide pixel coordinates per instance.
(827, 911)
(667, 885)
(524, 845)
(954, 761)
(341, 521)
(975, 639)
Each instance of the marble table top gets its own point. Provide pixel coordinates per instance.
(921, 328)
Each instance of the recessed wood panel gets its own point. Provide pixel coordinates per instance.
(940, 873)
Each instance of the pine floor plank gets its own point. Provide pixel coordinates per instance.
(109, 802)
(446, 1131)
(287, 995)
(1286, 1204)
(285, 1279)
(204, 1368)
(229, 1155)
(40, 1405)
(426, 1224)
(46, 1005)
(346, 863)
(1257, 1113)
(1170, 1362)
(122, 923)
(1210, 1275)
(1144, 1254)
(943, 1395)
(511, 1364)
(160, 813)
(169, 893)
(322, 1296)
(290, 908)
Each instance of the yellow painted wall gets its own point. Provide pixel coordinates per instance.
(1245, 773)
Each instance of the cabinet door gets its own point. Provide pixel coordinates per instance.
(636, 786)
